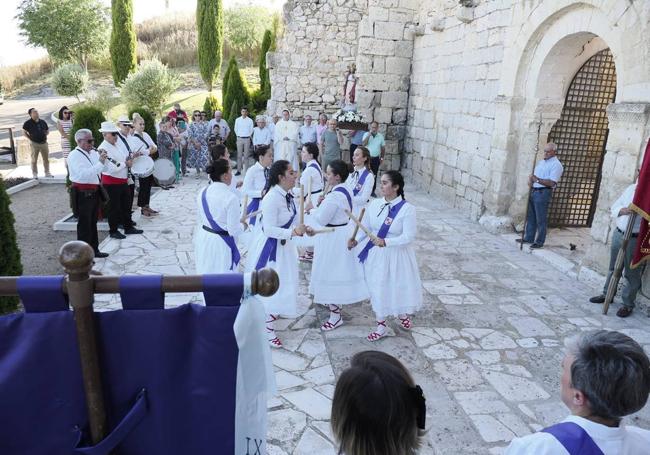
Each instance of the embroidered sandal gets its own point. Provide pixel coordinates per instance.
(376, 335)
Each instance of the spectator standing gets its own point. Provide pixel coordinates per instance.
(331, 141)
(64, 125)
(243, 131)
(36, 130)
(261, 133)
(356, 139)
(177, 113)
(224, 129)
(285, 140)
(320, 128)
(307, 132)
(197, 136)
(374, 141)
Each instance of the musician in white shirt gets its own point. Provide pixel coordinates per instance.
(243, 131)
(85, 165)
(140, 140)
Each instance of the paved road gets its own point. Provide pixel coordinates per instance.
(14, 112)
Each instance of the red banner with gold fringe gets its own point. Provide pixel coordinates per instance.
(641, 205)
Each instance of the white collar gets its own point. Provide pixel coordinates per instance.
(280, 190)
(596, 429)
(393, 202)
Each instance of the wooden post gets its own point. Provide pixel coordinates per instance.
(77, 259)
(620, 259)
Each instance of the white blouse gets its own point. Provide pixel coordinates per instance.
(84, 166)
(276, 214)
(403, 228)
(363, 196)
(332, 209)
(311, 175)
(119, 155)
(254, 181)
(224, 208)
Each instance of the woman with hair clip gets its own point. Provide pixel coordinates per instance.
(337, 274)
(141, 140)
(388, 259)
(219, 223)
(360, 181)
(377, 407)
(273, 246)
(256, 178)
(312, 181)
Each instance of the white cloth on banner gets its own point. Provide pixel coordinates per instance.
(286, 149)
(392, 272)
(621, 440)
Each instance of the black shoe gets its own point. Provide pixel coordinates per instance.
(237, 173)
(117, 235)
(133, 231)
(133, 222)
(99, 254)
(624, 312)
(536, 245)
(522, 241)
(598, 299)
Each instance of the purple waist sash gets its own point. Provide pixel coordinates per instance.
(270, 249)
(253, 206)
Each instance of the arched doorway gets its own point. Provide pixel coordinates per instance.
(581, 135)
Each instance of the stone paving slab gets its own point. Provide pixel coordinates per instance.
(486, 347)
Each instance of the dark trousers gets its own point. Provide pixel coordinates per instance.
(634, 276)
(118, 209)
(144, 195)
(87, 202)
(353, 147)
(537, 215)
(375, 161)
(131, 196)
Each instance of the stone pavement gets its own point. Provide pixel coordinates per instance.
(486, 348)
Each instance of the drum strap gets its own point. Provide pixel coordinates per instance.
(142, 139)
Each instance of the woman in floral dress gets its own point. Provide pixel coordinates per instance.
(197, 143)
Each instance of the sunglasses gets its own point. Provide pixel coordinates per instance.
(114, 134)
(66, 112)
(90, 141)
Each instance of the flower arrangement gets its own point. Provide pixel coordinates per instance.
(342, 116)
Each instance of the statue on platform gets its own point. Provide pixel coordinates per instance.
(349, 88)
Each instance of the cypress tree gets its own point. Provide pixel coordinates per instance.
(209, 22)
(123, 40)
(263, 70)
(238, 91)
(9, 253)
(210, 105)
(232, 63)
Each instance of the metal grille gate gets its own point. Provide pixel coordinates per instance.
(581, 135)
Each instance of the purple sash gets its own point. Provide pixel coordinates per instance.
(345, 192)
(360, 182)
(383, 230)
(317, 167)
(574, 438)
(230, 241)
(271, 245)
(253, 207)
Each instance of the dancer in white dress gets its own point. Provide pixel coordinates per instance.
(390, 268)
(312, 182)
(255, 180)
(219, 223)
(360, 181)
(220, 152)
(337, 274)
(273, 246)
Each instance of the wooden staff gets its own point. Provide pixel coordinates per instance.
(302, 205)
(324, 230)
(620, 259)
(325, 191)
(356, 227)
(309, 189)
(251, 215)
(243, 215)
(530, 188)
(360, 225)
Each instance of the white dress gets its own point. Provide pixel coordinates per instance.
(391, 272)
(286, 149)
(254, 183)
(276, 214)
(311, 180)
(336, 274)
(210, 250)
(364, 190)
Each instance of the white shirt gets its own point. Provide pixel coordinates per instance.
(244, 127)
(402, 229)
(224, 129)
(271, 126)
(363, 196)
(120, 155)
(276, 214)
(332, 209)
(622, 202)
(622, 440)
(262, 136)
(84, 166)
(307, 133)
(224, 208)
(550, 169)
(139, 144)
(254, 181)
(121, 139)
(311, 179)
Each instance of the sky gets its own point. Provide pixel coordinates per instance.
(14, 50)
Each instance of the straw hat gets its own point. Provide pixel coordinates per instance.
(124, 120)
(108, 127)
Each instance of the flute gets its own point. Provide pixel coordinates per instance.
(116, 163)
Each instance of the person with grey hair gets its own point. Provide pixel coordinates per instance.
(85, 164)
(262, 135)
(543, 181)
(605, 377)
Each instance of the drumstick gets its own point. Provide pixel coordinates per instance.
(302, 204)
(323, 231)
(370, 235)
(243, 215)
(356, 227)
(309, 189)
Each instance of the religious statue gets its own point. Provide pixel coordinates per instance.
(349, 88)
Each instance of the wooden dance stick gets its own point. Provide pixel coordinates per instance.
(309, 189)
(370, 235)
(324, 230)
(252, 214)
(302, 204)
(243, 215)
(356, 228)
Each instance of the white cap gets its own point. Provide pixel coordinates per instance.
(108, 127)
(124, 120)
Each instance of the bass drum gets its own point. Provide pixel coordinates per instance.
(164, 172)
(143, 166)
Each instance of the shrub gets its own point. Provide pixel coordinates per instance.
(9, 252)
(263, 70)
(149, 122)
(70, 80)
(87, 117)
(258, 101)
(245, 25)
(232, 63)
(149, 87)
(103, 99)
(122, 40)
(210, 105)
(209, 19)
(238, 92)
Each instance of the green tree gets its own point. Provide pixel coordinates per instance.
(238, 91)
(244, 30)
(211, 105)
(277, 29)
(232, 63)
(149, 122)
(70, 80)
(149, 87)
(209, 20)
(88, 117)
(9, 252)
(70, 30)
(123, 40)
(265, 83)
